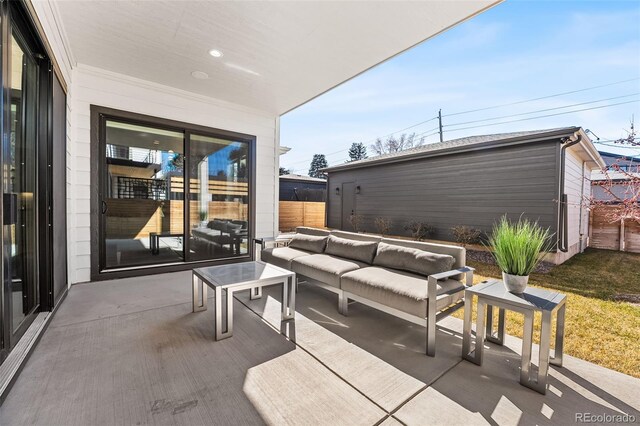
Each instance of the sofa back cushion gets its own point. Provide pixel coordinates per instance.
(458, 253)
(356, 236)
(312, 243)
(362, 251)
(412, 259)
(312, 231)
(216, 224)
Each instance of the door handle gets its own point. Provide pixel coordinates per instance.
(104, 207)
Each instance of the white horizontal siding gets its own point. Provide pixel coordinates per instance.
(94, 87)
(576, 187)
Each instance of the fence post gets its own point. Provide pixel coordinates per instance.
(622, 234)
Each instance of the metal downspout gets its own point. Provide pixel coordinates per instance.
(563, 235)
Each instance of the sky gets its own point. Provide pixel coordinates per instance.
(516, 51)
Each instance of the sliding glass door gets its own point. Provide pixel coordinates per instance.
(170, 193)
(20, 188)
(219, 198)
(143, 219)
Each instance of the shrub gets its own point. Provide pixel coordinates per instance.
(519, 247)
(466, 235)
(419, 230)
(356, 221)
(383, 225)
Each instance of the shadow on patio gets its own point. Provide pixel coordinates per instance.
(131, 352)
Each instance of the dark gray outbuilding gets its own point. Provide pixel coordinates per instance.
(302, 188)
(469, 181)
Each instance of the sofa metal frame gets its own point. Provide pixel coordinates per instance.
(438, 307)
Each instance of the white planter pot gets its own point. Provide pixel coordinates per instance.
(515, 283)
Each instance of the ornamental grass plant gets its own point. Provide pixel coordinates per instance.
(519, 247)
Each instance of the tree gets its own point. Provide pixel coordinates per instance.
(393, 144)
(358, 151)
(284, 171)
(620, 185)
(319, 162)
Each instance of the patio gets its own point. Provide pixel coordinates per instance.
(130, 351)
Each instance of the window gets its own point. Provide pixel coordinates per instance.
(160, 207)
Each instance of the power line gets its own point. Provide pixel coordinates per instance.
(497, 118)
(542, 97)
(373, 140)
(542, 116)
(542, 110)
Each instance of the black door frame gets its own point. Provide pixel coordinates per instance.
(99, 116)
(13, 16)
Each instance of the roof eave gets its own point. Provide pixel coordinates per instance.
(458, 149)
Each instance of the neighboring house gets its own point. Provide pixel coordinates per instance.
(302, 188)
(618, 168)
(474, 181)
(610, 188)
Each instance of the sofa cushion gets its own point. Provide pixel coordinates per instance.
(412, 260)
(312, 243)
(401, 290)
(312, 231)
(324, 267)
(362, 251)
(281, 256)
(216, 224)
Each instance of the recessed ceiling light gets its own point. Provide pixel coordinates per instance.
(200, 75)
(215, 53)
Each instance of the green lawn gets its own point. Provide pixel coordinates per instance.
(597, 329)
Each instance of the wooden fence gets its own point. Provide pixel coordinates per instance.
(623, 235)
(301, 213)
(136, 218)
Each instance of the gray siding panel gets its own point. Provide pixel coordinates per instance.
(472, 188)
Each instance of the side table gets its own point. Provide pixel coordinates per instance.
(492, 294)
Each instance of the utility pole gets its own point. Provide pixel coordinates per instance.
(440, 122)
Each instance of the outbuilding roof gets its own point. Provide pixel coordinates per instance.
(302, 178)
(458, 145)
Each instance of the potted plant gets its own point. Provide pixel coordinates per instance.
(203, 218)
(518, 248)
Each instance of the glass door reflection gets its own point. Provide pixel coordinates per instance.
(219, 198)
(143, 197)
(20, 188)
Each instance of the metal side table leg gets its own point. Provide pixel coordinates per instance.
(292, 296)
(466, 331)
(288, 299)
(480, 332)
(199, 291)
(557, 353)
(255, 293)
(527, 341)
(498, 338)
(224, 313)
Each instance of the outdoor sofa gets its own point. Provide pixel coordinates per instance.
(417, 281)
(222, 232)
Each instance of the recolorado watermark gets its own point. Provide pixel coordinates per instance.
(604, 418)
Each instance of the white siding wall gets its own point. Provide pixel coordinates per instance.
(87, 86)
(98, 87)
(576, 187)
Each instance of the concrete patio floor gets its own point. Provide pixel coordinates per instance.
(131, 352)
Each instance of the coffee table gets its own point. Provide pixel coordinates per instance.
(228, 279)
(492, 293)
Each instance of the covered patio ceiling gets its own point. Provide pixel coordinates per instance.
(276, 55)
